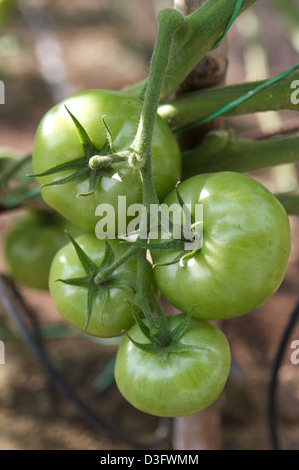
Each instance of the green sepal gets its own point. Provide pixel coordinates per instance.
(89, 266)
(66, 166)
(92, 293)
(103, 296)
(185, 258)
(163, 334)
(78, 175)
(178, 332)
(120, 284)
(147, 347)
(143, 327)
(76, 281)
(109, 256)
(94, 178)
(86, 142)
(109, 135)
(182, 203)
(174, 261)
(81, 166)
(168, 245)
(180, 347)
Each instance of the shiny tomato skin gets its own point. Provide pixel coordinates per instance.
(71, 301)
(56, 142)
(31, 244)
(244, 254)
(182, 384)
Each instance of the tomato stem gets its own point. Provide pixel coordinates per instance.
(140, 297)
(102, 275)
(170, 21)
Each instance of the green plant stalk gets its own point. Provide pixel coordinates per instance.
(221, 152)
(140, 297)
(170, 21)
(104, 273)
(290, 202)
(198, 36)
(195, 106)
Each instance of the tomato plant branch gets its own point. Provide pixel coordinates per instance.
(103, 274)
(198, 36)
(221, 152)
(290, 202)
(197, 105)
(140, 297)
(170, 21)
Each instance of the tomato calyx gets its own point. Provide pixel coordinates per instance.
(95, 163)
(162, 340)
(97, 287)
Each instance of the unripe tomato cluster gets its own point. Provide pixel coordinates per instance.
(240, 264)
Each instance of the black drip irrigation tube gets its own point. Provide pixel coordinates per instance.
(273, 386)
(10, 297)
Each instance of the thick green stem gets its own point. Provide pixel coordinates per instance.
(290, 202)
(98, 162)
(140, 297)
(104, 273)
(169, 22)
(221, 152)
(195, 106)
(198, 36)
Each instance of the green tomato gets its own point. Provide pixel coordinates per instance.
(182, 384)
(71, 301)
(57, 142)
(245, 248)
(30, 246)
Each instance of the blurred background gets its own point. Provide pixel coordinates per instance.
(49, 50)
